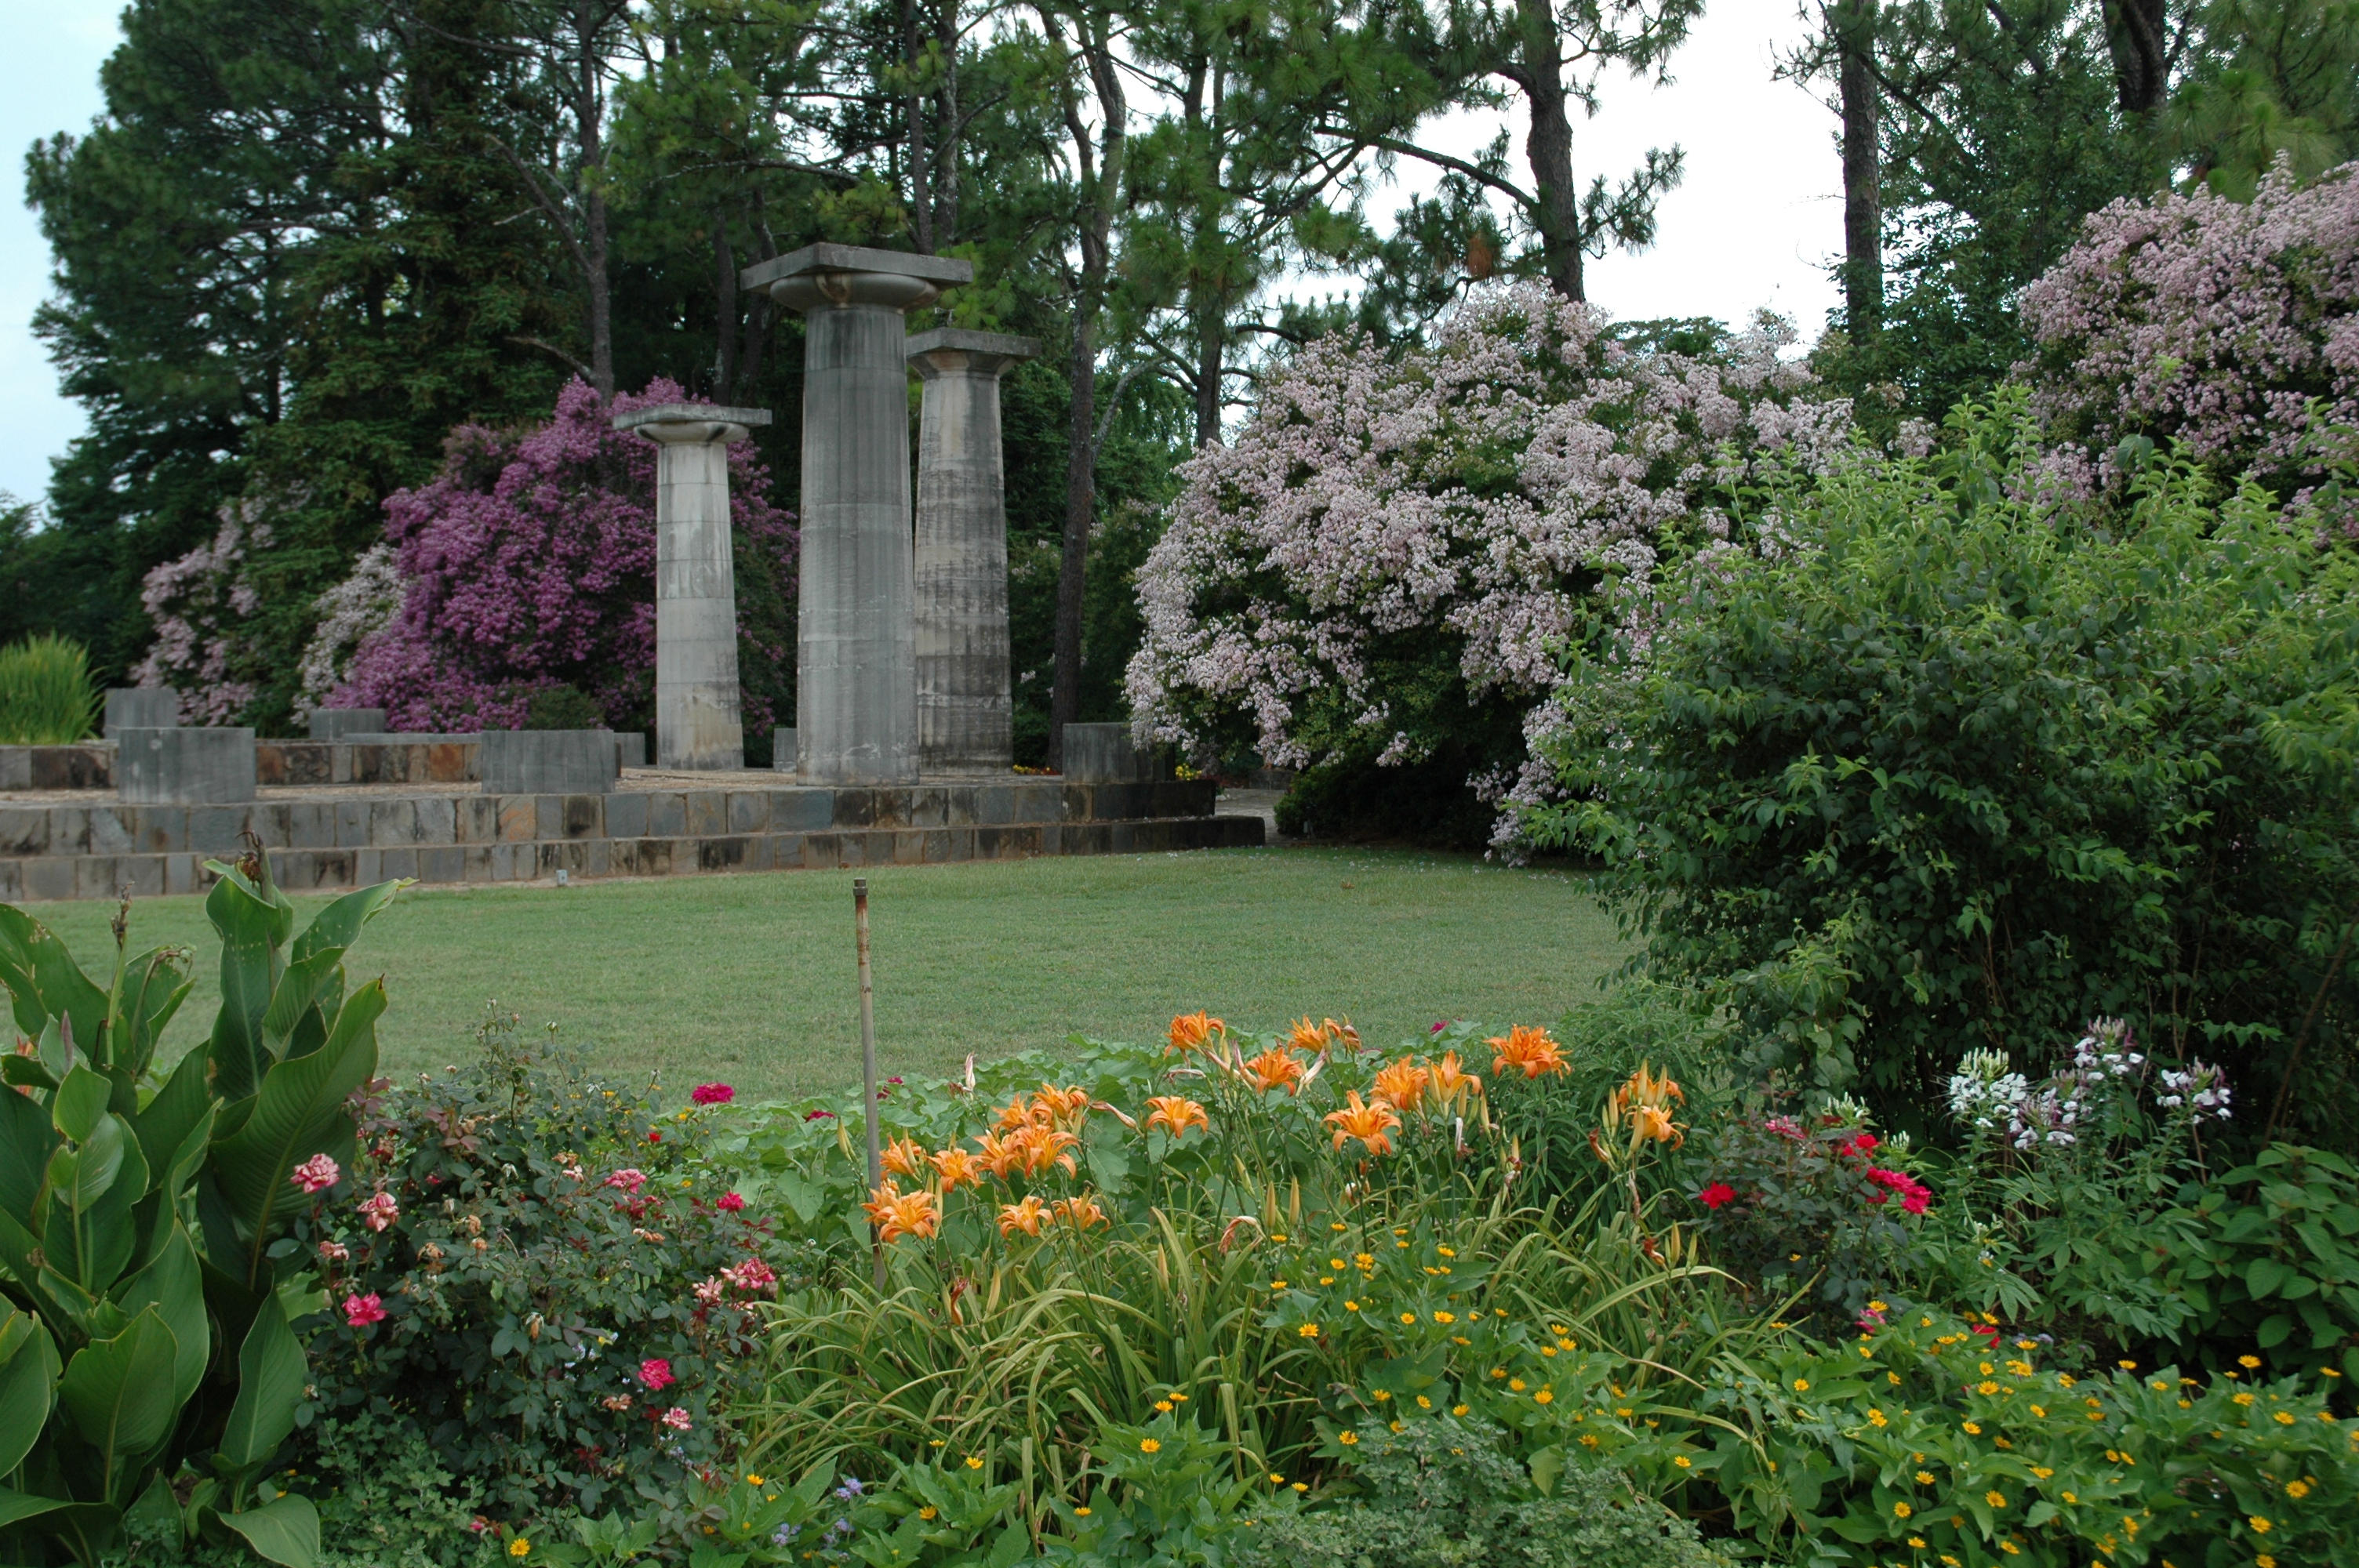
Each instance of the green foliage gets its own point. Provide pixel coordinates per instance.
(551, 1238)
(1960, 759)
(1443, 1494)
(2266, 1257)
(145, 1353)
(563, 708)
(46, 695)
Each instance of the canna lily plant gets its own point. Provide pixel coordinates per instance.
(147, 1366)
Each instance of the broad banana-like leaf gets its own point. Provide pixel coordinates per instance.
(298, 1112)
(174, 1285)
(119, 1392)
(311, 989)
(26, 1141)
(44, 982)
(157, 1513)
(299, 988)
(284, 1531)
(80, 1100)
(16, 1507)
(88, 1233)
(339, 925)
(152, 988)
(164, 1126)
(19, 1248)
(28, 1385)
(270, 1372)
(253, 923)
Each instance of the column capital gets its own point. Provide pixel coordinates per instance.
(692, 423)
(824, 275)
(947, 349)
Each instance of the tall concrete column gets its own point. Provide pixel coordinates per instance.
(855, 668)
(699, 726)
(964, 699)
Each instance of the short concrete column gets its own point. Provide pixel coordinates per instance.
(142, 708)
(343, 723)
(698, 726)
(964, 703)
(183, 767)
(855, 665)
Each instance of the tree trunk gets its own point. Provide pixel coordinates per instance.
(913, 110)
(1863, 169)
(590, 113)
(1210, 336)
(724, 308)
(2134, 34)
(946, 185)
(1557, 203)
(1081, 513)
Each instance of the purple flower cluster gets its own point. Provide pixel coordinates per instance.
(528, 562)
(2227, 325)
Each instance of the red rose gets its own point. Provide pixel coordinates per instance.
(1714, 1195)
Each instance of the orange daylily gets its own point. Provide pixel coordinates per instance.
(1451, 1081)
(1369, 1123)
(1060, 1107)
(1013, 1115)
(1402, 1084)
(1080, 1211)
(907, 1157)
(1044, 1146)
(1177, 1114)
(958, 1168)
(1025, 1217)
(1002, 1156)
(1274, 1067)
(1651, 1122)
(896, 1214)
(1531, 1050)
(1321, 1036)
(1195, 1031)
(1643, 1087)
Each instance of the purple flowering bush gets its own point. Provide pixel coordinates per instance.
(528, 564)
(2225, 324)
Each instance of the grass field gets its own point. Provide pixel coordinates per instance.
(751, 979)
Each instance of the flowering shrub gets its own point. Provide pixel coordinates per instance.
(199, 603)
(548, 1277)
(2230, 326)
(528, 563)
(1965, 758)
(349, 614)
(1379, 567)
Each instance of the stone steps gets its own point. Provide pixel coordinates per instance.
(94, 848)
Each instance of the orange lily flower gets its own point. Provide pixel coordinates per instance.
(1044, 1146)
(1451, 1081)
(1060, 1107)
(1080, 1211)
(1177, 1114)
(1192, 1031)
(1322, 1036)
(907, 1157)
(1013, 1115)
(1003, 1157)
(1025, 1217)
(1274, 1067)
(958, 1168)
(1370, 1123)
(896, 1214)
(1653, 1122)
(1644, 1089)
(1402, 1084)
(1531, 1050)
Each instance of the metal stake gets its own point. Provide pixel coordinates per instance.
(868, 1065)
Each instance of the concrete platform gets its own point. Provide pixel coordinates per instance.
(84, 843)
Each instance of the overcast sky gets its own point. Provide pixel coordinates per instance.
(1755, 223)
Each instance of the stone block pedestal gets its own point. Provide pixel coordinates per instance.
(184, 767)
(549, 762)
(142, 708)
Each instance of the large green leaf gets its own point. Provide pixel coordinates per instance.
(299, 1112)
(26, 1141)
(164, 1125)
(254, 923)
(80, 1100)
(270, 1372)
(174, 1285)
(119, 1392)
(284, 1531)
(314, 979)
(19, 1248)
(17, 1507)
(28, 1385)
(339, 926)
(154, 986)
(89, 1234)
(44, 982)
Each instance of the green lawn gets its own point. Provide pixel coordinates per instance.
(751, 979)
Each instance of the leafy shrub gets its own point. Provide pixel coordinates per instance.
(1936, 1437)
(1443, 1494)
(148, 1370)
(46, 695)
(547, 1274)
(2266, 1258)
(1964, 760)
(562, 707)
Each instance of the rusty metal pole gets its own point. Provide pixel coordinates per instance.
(868, 1067)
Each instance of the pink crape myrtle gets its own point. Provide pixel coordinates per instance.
(528, 562)
(1451, 512)
(2230, 326)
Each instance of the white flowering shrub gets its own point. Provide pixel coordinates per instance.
(199, 603)
(349, 612)
(1387, 560)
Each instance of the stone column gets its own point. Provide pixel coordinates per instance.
(855, 665)
(963, 704)
(698, 726)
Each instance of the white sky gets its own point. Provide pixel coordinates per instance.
(1755, 223)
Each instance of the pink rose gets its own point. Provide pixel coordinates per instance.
(816, 1115)
(729, 1203)
(1717, 1193)
(752, 1274)
(630, 1179)
(708, 1293)
(655, 1372)
(316, 1174)
(677, 1419)
(362, 1311)
(712, 1094)
(379, 1210)
(334, 1252)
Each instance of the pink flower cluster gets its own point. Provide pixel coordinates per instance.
(1474, 494)
(379, 1210)
(629, 1179)
(316, 1174)
(712, 1094)
(530, 562)
(1914, 1194)
(2213, 321)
